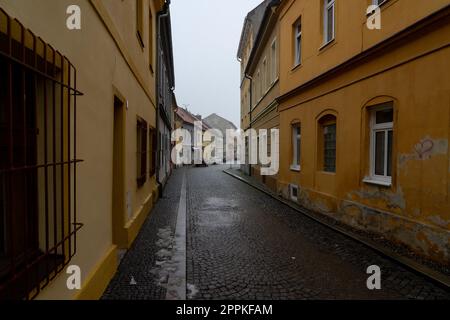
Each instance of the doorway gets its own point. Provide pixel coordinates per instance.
(118, 184)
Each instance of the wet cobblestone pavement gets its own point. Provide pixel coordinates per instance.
(243, 244)
(141, 262)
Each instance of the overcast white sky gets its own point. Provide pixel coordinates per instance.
(206, 36)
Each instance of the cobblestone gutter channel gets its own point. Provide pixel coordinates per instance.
(440, 278)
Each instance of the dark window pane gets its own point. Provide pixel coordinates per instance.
(294, 192)
(299, 49)
(330, 24)
(384, 116)
(298, 145)
(389, 163)
(379, 153)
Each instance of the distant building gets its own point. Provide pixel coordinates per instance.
(186, 120)
(215, 121)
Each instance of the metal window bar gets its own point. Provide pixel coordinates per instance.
(38, 221)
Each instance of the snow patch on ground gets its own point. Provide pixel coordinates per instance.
(163, 265)
(191, 291)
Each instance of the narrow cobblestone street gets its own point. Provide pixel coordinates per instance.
(242, 244)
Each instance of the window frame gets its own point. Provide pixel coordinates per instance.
(374, 129)
(141, 152)
(153, 151)
(274, 61)
(38, 139)
(379, 3)
(258, 86)
(140, 22)
(296, 142)
(265, 76)
(327, 4)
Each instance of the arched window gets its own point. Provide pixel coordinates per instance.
(327, 143)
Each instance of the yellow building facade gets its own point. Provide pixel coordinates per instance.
(365, 114)
(114, 59)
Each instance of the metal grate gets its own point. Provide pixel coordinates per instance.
(38, 222)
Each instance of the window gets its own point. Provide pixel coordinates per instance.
(329, 20)
(254, 93)
(249, 99)
(258, 85)
(153, 151)
(141, 154)
(296, 144)
(150, 39)
(266, 75)
(297, 42)
(329, 135)
(38, 163)
(140, 21)
(327, 143)
(381, 139)
(293, 192)
(274, 61)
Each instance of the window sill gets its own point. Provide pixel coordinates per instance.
(378, 182)
(296, 67)
(327, 44)
(330, 173)
(295, 168)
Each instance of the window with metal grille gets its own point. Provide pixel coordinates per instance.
(141, 156)
(327, 143)
(38, 222)
(329, 151)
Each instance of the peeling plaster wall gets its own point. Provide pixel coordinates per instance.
(415, 209)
